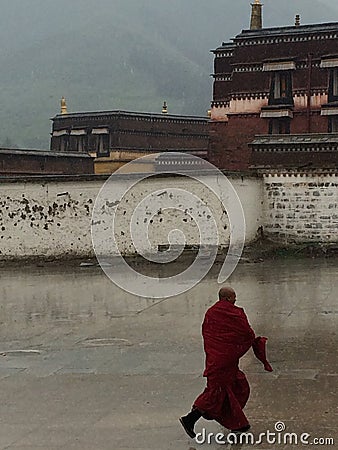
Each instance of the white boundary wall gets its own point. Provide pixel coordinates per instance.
(52, 218)
(300, 208)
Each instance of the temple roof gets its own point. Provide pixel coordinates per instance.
(318, 28)
(289, 30)
(131, 114)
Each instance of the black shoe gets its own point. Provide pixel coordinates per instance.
(188, 426)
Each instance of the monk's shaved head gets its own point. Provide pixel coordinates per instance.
(227, 293)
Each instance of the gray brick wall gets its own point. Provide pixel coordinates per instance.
(301, 207)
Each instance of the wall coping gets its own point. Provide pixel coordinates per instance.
(103, 177)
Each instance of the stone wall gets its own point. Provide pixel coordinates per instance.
(52, 218)
(301, 207)
(46, 218)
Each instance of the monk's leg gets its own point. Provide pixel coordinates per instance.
(224, 398)
(210, 402)
(238, 395)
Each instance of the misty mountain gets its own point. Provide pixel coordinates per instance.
(118, 54)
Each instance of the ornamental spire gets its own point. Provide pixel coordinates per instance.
(165, 108)
(64, 109)
(256, 15)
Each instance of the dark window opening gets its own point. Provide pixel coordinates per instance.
(102, 144)
(92, 147)
(281, 88)
(99, 144)
(82, 144)
(64, 143)
(279, 126)
(333, 85)
(333, 124)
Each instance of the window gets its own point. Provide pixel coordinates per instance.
(64, 143)
(281, 88)
(99, 143)
(333, 124)
(335, 82)
(82, 143)
(103, 145)
(279, 126)
(333, 85)
(280, 83)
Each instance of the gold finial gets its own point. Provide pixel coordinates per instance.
(256, 16)
(165, 108)
(64, 109)
(297, 21)
(209, 113)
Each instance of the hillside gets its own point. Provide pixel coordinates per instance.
(117, 54)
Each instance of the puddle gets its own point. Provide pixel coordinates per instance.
(97, 342)
(20, 353)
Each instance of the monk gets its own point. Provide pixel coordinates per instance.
(227, 337)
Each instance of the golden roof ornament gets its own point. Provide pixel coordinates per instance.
(165, 108)
(64, 109)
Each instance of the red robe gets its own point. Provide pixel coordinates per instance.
(227, 337)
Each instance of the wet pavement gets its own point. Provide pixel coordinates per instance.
(86, 366)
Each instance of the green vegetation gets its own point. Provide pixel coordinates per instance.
(116, 54)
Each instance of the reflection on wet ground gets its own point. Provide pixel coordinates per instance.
(84, 365)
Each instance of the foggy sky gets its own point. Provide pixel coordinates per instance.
(119, 54)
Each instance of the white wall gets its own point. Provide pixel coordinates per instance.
(49, 219)
(53, 218)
